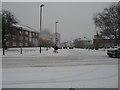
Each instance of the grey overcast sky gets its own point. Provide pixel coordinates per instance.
(75, 18)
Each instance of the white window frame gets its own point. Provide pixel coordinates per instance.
(14, 44)
(26, 32)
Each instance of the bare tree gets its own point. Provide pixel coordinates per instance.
(7, 20)
(108, 22)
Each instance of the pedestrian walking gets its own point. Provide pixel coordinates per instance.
(55, 49)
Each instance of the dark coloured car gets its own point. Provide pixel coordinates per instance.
(65, 47)
(70, 47)
(59, 47)
(114, 52)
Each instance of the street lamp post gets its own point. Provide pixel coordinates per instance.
(21, 40)
(40, 23)
(56, 32)
(4, 46)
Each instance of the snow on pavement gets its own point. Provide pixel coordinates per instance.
(77, 68)
(65, 57)
(97, 76)
(0, 69)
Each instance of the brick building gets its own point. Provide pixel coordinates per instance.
(22, 36)
(105, 42)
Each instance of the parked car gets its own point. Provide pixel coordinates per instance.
(114, 52)
(59, 47)
(65, 47)
(70, 47)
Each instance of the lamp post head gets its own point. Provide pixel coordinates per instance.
(57, 22)
(42, 5)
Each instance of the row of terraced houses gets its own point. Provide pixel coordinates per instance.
(22, 36)
(25, 36)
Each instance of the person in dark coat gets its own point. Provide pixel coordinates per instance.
(55, 49)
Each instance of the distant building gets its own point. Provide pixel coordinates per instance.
(22, 36)
(56, 38)
(87, 43)
(105, 42)
(68, 44)
(83, 43)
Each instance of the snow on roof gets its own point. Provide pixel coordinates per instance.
(105, 37)
(25, 27)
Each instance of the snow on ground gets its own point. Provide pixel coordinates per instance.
(0, 69)
(70, 68)
(103, 76)
(15, 52)
(65, 57)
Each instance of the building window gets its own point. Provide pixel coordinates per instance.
(26, 33)
(30, 39)
(30, 34)
(36, 34)
(20, 31)
(21, 38)
(33, 39)
(26, 38)
(7, 43)
(21, 44)
(14, 37)
(33, 34)
(26, 44)
(36, 39)
(14, 44)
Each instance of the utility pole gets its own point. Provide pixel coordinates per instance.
(40, 23)
(21, 40)
(56, 39)
(4, 45)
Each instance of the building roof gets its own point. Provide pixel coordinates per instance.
(25, 27)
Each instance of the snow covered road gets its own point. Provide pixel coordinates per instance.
(77, 68)
(102, 76)
(63, 58)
